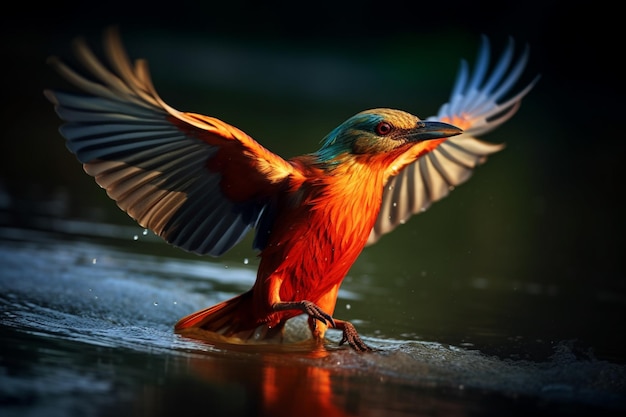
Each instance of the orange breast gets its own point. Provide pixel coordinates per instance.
(320, 230)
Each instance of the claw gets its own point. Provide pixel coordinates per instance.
(353, 339)
(316, 312)
(307, 307)
(350, 335)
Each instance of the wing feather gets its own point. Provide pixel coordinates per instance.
(154, 160)
(476, 106)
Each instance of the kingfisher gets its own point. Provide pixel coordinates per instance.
(203, 184)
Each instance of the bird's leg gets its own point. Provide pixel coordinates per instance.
(351, 336)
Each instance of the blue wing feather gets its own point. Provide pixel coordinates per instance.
(475, 105)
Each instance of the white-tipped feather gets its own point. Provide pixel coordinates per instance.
(121, 131)
(475, 103)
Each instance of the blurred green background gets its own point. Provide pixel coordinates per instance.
(542, 218)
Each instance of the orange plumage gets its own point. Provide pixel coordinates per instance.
(203, 184)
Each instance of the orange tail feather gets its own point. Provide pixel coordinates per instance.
(233, 318)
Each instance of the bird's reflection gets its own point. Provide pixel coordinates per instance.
(289, 379)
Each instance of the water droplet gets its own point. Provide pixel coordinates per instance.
(156, 303)
(348, 306)
(175, 302)
(225, 266)
(395, 204)
(145, 232)
(135, 237)
(245, 261)
(93, 261)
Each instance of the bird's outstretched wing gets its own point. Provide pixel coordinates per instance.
(196, 181)
(475, 106)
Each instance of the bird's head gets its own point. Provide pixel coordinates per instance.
(385, 137)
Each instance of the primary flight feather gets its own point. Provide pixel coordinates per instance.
(202, 184)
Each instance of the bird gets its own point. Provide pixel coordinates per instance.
(202, 184)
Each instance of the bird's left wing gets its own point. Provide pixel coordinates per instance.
(196, 181)
(475, 106)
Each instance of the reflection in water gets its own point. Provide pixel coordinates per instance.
(96, 338)
(287, 380)
(287, 383)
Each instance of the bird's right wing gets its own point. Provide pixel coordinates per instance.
(194, 180)
(475, 106)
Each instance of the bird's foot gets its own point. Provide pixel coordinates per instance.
(351, 336)
(307, 307)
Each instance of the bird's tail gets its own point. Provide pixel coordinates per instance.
(232, 319)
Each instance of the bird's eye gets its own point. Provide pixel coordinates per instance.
(383, 128)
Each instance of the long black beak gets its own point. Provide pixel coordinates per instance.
(426, 130)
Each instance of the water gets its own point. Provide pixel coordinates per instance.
(87, 315)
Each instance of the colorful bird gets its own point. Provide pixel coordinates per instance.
(202, 184)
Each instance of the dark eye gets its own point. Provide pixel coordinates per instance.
(383, 128)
